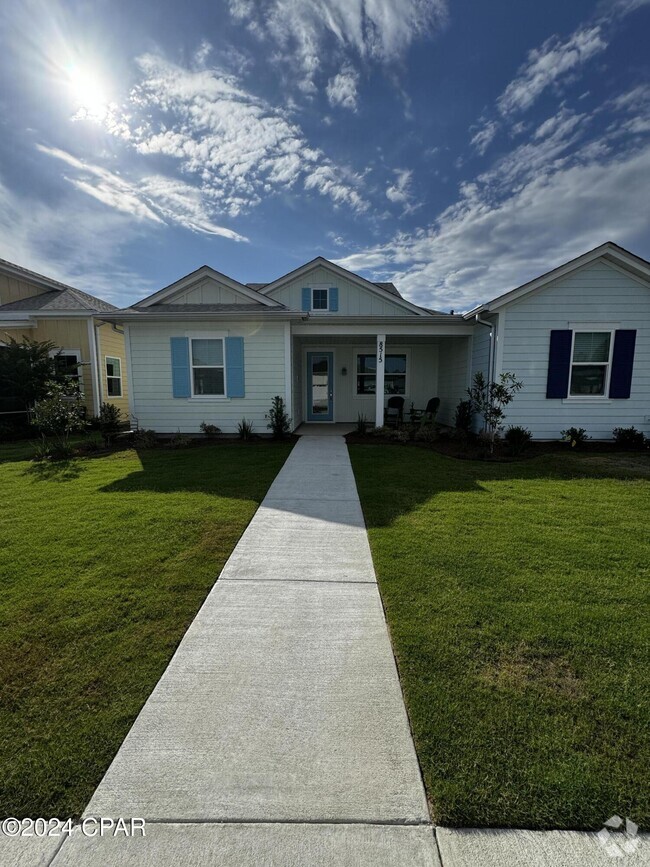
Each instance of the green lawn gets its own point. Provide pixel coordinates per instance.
(103, 564)
(517, 600)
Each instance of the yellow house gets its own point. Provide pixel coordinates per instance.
(91, 349)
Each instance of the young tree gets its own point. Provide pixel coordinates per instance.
(488, 400)
(58, 415)
(279, 421)
(26, 370)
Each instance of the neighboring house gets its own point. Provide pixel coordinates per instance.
(88, 348)
(336, 346)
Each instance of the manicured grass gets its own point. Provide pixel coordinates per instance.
(103, 564)
(517, 600)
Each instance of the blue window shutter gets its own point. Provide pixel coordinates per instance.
(620, 383)
(181, 367)
(334, 299)
(306, 299)
(235, 366)
(559, 363)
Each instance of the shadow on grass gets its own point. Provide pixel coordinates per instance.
(394, 481)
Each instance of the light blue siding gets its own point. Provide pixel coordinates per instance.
(598, 294)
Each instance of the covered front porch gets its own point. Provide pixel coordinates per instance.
(338, 377)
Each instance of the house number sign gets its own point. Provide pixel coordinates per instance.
(381, 351)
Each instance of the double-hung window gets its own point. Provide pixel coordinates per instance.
(67, 363)
(320, 299)
(208, 368)
(394, 373)
(590, 363)
(113, 377)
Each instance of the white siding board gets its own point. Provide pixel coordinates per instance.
(209, 291)
(597, 293)
(452, 377)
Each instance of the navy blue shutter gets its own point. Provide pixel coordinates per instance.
(620, 382)
(180, 347)
(235, 366)
(559, 363)
(334, 299)
(306, 299)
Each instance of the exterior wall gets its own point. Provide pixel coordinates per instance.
(111, 342)
(209, 291)
(13, 289)
(453, 375)
(353, 300)
(155, 407)
(596, 294)
(297, 385)
(422, 371)
(64, 334)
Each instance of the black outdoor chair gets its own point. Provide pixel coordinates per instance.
(394, 412)
(430, 413)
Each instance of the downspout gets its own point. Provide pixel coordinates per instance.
(491, 351)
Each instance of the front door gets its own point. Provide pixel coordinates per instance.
(320, 386)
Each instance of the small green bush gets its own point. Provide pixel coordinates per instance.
(144, 439)
(464, 416)
(629, 438)
(179, 441)
(576, 436)
(400, 435)
(426, 434)
(362, 425)
(245, 430)
(110, 421)
(210, 430)
(518, 439)
(279, 422)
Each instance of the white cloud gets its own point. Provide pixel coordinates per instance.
(154, 198)
(400, 192)
(483, 137)
(493, 239)
(545, 65)
(76, 242)
(236, 145)
(342, 88)
(379, 29)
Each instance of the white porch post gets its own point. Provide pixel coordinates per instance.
(379, 385)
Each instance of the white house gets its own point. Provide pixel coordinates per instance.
(336, 346)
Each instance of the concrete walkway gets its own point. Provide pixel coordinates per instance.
(277, 735)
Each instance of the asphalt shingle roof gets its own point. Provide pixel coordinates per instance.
(60, 299)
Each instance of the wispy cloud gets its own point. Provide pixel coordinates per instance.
(401, 190)
(236, 145)
(381, 30)
(484, 135)
(342, 88)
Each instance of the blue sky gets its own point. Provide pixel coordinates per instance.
(458, 148)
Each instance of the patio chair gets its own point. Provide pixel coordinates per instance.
(394, 412)
(430, 413)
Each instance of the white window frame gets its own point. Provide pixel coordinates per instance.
(77, 353)
(393, 350)
(595, 329)
(119, 361)
(208, 336)
(319, 288)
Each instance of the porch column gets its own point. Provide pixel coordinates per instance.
(379, 384)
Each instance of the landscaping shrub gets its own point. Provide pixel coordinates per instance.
(629, 438)
(144, 439)
(245, 430)
(426, 434)
(279, 422)
(210, 430)
(58, 415)
(362, 425)
(401, 435)
(179, 441)
(464, 416)
(576, 436)
(488, 400)
(518, 439)
(110, 421)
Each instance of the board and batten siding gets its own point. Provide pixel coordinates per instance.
(209, 291)
(597, 295)
(154, 406)
(453, 376)
(14, 289)
(110, 342)
(353, 300)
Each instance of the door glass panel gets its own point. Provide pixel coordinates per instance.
(320, 385)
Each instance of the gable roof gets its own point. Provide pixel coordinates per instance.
(609, 252)
(389, 287)
(380, 289)
(200, 274)
(57, 296)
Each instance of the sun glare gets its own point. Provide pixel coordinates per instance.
(88, 92)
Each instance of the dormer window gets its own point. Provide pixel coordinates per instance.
(320, 299)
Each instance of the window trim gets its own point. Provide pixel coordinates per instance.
(319, 288)
(118, 359)
(208, 336)
(607, 365)
(393, 350)
(77, 353)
